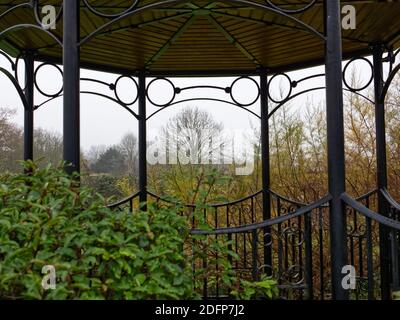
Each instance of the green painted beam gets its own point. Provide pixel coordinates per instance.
(8, 48)
(172, 40)
(232, 40)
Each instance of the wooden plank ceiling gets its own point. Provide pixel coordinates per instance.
(204, 35)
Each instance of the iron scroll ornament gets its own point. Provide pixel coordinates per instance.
(34, 5)
(14, 79)
(17, 87)
(293, 84)
(95, 11)
(13, 65)
(112, 86)
(393, 71)
(302, 9)
(390, 58)
(10, 10)
(135, 3)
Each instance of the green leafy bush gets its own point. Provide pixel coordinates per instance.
(46, 219)
(266, 288)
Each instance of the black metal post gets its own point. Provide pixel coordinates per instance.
(265, 162)
(29, 112)
(381, 177)
(71, 85)
(335, 137)
(142, 140)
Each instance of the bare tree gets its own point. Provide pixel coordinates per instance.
(11, 141)
(188, 136)
(192, 135)
(129, 148)
(48, 145)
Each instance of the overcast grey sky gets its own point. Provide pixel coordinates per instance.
(104, 122)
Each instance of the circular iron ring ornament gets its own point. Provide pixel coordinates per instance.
(264, 236)
(38, 19)
(293, 275)
(291, 11)
(230, 91)
(109, 15)
(114, 87)
(268, 270)
(293, 234)
(368, 82)
(38, 87)
(174, 90)
(291, 85)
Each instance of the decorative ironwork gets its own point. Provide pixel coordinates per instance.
(176, 91)
(292, 11)
(363, 234)
(95, 11)
(34, 7)
(12, 75)
(49, 95)
(193, 11)
(393, 71)
(290, 237)
(115, 88)
(111, 86)
(366, 85)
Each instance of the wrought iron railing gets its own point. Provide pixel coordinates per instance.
(289, 239)
(293, 246)
(366, 235)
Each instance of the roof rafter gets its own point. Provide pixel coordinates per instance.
(233, 40)
(172, 40)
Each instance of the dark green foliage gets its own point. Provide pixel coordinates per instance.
(266, 288)
(45, 219)
(111, 161)
(104, 184)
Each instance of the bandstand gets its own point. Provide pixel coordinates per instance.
(145, 41)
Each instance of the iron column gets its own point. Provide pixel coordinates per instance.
(29, 111)
(142, 139)
(381, 166)
(71, 86)
(265, 162)
(335, 137)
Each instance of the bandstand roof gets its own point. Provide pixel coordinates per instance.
(190, 37)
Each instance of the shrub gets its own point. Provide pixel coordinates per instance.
(104, 184)
(46, 219)
(266, 288)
